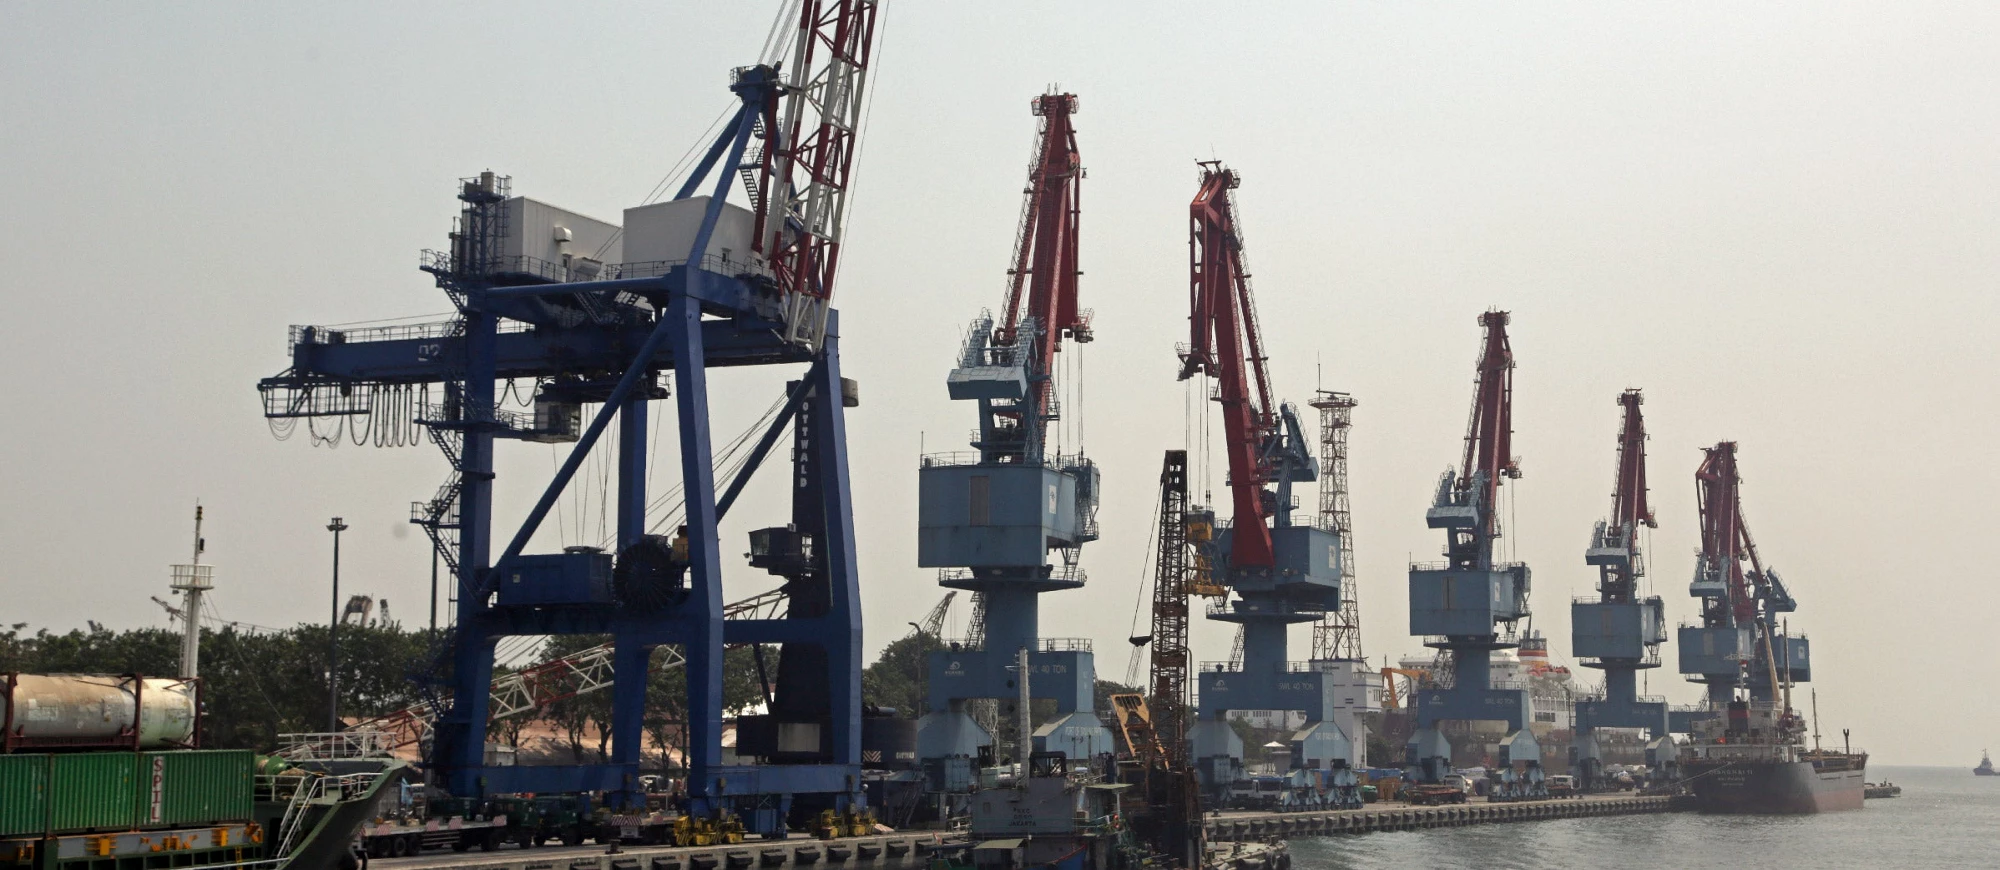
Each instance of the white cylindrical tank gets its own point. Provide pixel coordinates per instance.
(90, 710)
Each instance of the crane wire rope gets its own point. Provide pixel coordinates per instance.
(1148, 558)
(665, 500)
(236, 653)
(729, 460)
(383, 321)
(778, 38)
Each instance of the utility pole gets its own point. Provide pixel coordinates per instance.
(1027, 741)
(333, 636)
(192, 580)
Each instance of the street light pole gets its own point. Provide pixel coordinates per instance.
(333, 636)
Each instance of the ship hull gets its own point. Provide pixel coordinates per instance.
(1753, 787)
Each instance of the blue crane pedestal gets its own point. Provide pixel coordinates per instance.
(1459, 607)
(1302, 586)
(1621, 635)
(989, 520)
(1067, 677)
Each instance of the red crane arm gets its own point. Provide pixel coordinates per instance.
(1725, 543)
(1629, 510)
(1223, 344)
(1045, 250)
(1490, 431)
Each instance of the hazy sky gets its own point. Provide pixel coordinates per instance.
(1778, 219)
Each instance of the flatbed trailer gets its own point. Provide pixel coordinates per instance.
(391, 838)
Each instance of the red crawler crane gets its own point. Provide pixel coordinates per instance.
(1226, 346)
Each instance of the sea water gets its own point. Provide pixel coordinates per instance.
(1946, 818)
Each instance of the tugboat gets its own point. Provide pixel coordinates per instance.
(1985, 767)
(1754, 760)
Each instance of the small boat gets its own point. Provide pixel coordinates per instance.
(1884, 789)
(1985, 767)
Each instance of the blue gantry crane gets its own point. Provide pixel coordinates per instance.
(1619, 631)
(594, 313)
(988, 519)
(1460, 603)
(1740, 643)
(1281, 572)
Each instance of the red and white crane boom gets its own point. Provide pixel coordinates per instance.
(1225, 345)
(803, 174)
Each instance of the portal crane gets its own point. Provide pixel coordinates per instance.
(1459, 604)
(1740, 643)
(593, 313)
(988, 521)
(1619, 632)
(1281, 573)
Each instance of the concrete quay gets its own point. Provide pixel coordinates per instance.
(875, 852)
(1395, 816)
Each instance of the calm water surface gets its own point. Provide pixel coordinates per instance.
(1945, 818)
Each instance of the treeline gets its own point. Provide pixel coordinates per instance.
(258, 685)
(255, 685)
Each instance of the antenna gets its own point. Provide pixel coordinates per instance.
(192, 580)
(1815, 703)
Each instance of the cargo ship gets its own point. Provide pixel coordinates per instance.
(1753, 759)
(106, 772)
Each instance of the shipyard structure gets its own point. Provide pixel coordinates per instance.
(567, 329)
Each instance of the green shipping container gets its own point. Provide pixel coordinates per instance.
(93, 791)
(195, 787)
(24, 794)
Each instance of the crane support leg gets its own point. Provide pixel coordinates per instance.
(703, 610)
(843, 619)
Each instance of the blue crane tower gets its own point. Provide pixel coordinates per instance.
(1281, 573)
(1618, 631)
(1459, 603)
(1739, 643)
(591, 312)
(988, 520)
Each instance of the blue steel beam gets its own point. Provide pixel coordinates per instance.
(703, 610)
(682, 306)
(537, 354)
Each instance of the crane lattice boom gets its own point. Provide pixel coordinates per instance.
(802, 176)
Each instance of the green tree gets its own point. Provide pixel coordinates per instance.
(897, 678)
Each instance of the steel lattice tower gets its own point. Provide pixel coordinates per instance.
(1338, 634)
